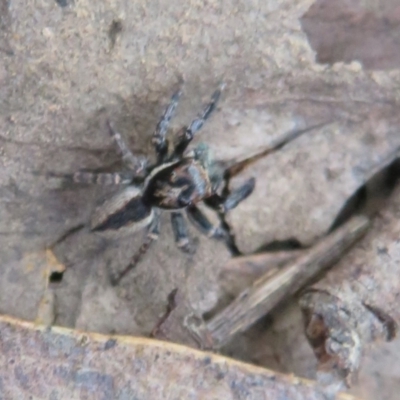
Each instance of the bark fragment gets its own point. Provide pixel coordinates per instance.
(356, 304)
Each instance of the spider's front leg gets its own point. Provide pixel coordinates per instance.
(135, 163)
(159, 136)
(222, 204)
(231, 200)
(152, 234)
(187, 134)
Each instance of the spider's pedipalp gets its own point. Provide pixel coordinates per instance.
(186, 135)
(135, 163)
(159, 136)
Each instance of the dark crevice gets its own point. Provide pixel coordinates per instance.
(281, 245)
(389, 324)
(371, 196)
(230, 240)
(56, 277)
(353, 205)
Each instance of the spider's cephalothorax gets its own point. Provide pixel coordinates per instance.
(176, 183)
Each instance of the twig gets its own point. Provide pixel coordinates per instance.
(171, 305)
(267, 292)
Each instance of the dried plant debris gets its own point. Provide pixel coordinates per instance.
(356, 304)
(269, 290)
(179, 323)
(102, 367)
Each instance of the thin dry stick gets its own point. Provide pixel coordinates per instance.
(267, 292)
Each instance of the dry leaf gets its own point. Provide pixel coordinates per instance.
(60, 363)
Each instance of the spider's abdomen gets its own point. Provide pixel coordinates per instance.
(179, 185)
(122, 214)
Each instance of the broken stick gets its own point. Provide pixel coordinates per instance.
(267, 291)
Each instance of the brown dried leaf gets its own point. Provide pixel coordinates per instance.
(60, 363)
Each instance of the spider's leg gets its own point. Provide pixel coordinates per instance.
(238, 195)
(180, 232)
(201, 222)
(219, 232)
(152, 235)
(159, 136)
(186, 135)
(135, 163)
(116, 178)
(223, 204)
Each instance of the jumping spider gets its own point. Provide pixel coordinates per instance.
(175, 183)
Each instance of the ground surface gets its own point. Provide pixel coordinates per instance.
(67, 66)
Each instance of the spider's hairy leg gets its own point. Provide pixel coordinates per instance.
(238, 195)
(180, 232)
(187, 134)
(90, 178)
(231, 199)
(222, 204)
(159, 136)
(134, 163)
(152, 234)
(201, 222)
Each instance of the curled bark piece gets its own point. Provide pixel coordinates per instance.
(63, 363)
(267, 292)
(357, 302)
